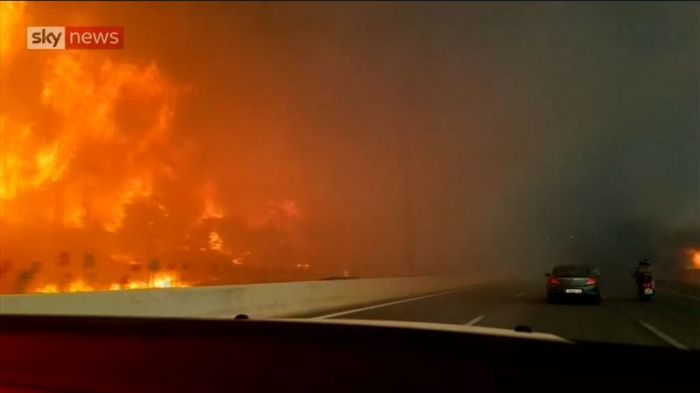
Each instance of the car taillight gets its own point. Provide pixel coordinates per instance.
(647, 285)
(590, 281)
(553, 281)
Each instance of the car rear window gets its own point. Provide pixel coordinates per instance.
(571, 271)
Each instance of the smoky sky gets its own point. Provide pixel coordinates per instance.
(424, 138)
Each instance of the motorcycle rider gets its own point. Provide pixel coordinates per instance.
(642, 271)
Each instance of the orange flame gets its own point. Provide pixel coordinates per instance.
(159, 280)
(694, 257)
(11, 18)
(47, 288)
(97, 149)
(90, 143)
(215, 242)
(212, 210)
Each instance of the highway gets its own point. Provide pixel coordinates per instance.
(672, 319)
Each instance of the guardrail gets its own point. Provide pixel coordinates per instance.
(257, 300)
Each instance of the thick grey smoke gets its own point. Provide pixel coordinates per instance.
(468, 137)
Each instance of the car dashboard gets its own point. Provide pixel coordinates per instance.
(95, 354)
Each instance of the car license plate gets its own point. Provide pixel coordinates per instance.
(574, 290)
(648, 291)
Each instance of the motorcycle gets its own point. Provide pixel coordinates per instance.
(645, 288)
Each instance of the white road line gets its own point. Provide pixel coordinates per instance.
(475, 320)
(520, 295)
(413, 299)
(668, 339)
(680, 294)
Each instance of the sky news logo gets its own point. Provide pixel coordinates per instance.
(75, 37)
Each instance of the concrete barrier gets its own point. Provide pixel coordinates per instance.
(258, 301)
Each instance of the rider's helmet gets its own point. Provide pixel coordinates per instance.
(644, 263)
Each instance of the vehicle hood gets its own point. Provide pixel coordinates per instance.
(445, 327)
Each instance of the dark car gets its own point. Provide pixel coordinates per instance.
(573, 282)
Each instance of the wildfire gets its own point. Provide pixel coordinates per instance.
(166, 280)
(159, 280)
(694, 257)
(133, 188)
(100, 160)
(80, 286)
(11, 16)
(48, 288)
(212, 210)
(23, 166)
(215, 242)
(90, 159)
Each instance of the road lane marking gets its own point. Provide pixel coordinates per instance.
(475, 320)
(413, 299)
(668, 339)
(520, 295)
(680, 294)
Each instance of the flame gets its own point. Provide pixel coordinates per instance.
(159, 280)
(98, 146)
(48, 288)
(241, 258)
(215, 242)
(693, 257)
(24, 166)
(135, 284)
(11, 20)
(212, 210)
(101, 163)
(134, 187)
(13, 169)
(79, 285)
(163, 210)
(165, 280)
(48, 168)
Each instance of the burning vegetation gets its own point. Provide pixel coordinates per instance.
(693, 256)
(96, 193)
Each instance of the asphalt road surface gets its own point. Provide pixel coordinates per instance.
(672, 319)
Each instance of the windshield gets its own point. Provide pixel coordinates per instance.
(407, 162)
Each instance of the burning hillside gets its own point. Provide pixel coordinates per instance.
(97, 193)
